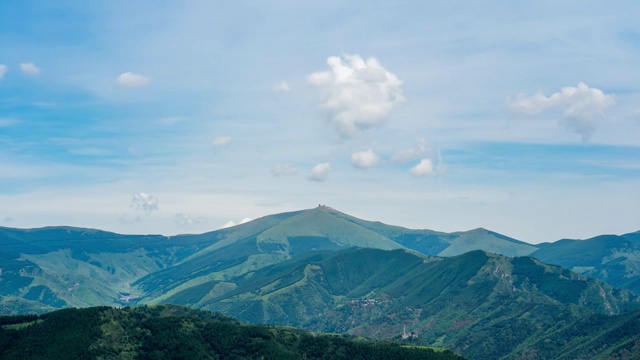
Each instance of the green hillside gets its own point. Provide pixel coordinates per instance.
(482, 305)
(63, 266)
(614, 259)
(482, 239)
(257, 244)
(171, 332)
(58, 267)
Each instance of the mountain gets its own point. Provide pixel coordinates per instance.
(171, 332)
(482, 305)
(614, 259)
(55, 267)
(331, 272)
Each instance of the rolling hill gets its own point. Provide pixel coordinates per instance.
(614, 259)
(172, 332)
(55, 267)
(482, 305)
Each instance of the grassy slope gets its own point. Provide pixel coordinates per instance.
(65, 266)
(482, 239)
(466, 302)
(614, 259)
(246, 248)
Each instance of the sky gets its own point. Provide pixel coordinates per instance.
(170, 117)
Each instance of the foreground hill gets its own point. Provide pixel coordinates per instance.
(482, 305)
(170, 332)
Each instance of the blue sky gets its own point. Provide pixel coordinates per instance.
(173, 117)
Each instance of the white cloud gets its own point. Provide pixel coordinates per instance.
(231, 223)
(636, 115)
(320, 172)
(144, 203)
(364, 159)
(282, 87)
(183, 220)
(283, 170)
(424, 168)
(581, 105)
(129, 79)
(357, 94)
(29, 68)
(7, 122)
(221, 141)
(420, 150)
(3, 70)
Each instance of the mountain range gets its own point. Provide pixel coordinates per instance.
(328, 271)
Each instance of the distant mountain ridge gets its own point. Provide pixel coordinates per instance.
(54, 267)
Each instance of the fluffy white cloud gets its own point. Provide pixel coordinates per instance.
(144, 203)
(357, 94)
(29, 68)
(420, 150)
(320, 172)
(282, 87)
(231, 223)
(221, 141)
(364, 159)
(424, 168)
(3, 70)
(130, 79)
(283, 170)
(581, 105)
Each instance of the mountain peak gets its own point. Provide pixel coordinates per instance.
(325, 207)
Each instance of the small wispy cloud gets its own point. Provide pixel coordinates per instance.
(320, 172)
(283, 170)
(171, 120)
(423, 168)
(420, 150)
(183, 220)
(221, 142)
(129, 79)
(364, 159)
(3, 70)
(581, 105)
(231, 223)
(144, 203)
(282, 87)
(29, 68)
(7, 122)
